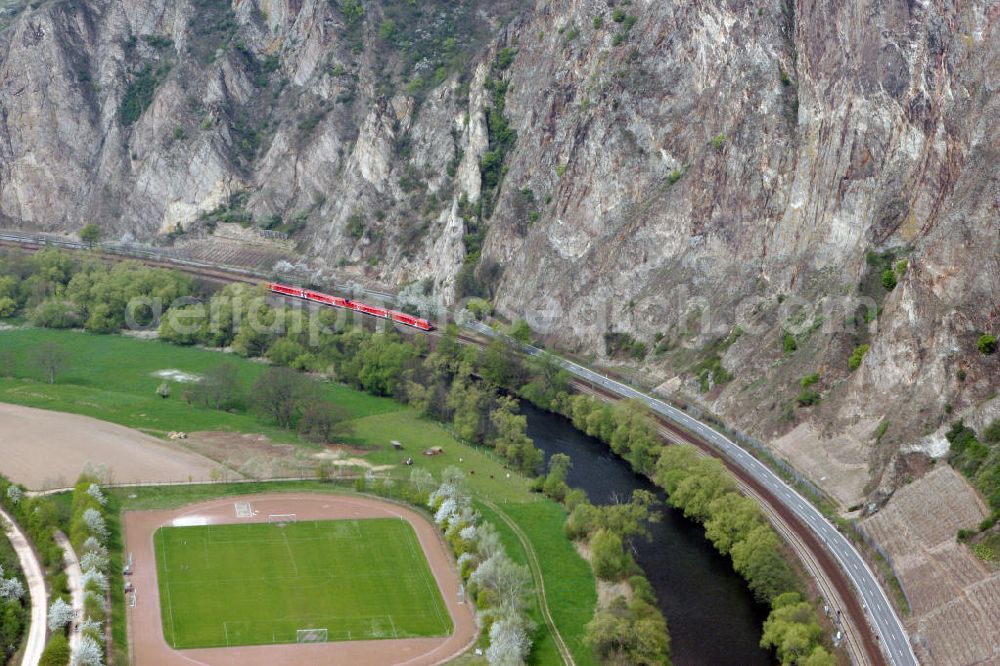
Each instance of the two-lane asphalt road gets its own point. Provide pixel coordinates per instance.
(889, 628)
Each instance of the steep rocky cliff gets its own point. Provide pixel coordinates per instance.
(712, 193)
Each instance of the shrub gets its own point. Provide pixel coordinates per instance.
(616, 343)
(718, 141)
(889, 279)
(90, 234)
(710, 372)
(139, 95)
(505, 57)
(8, 306)
(854, 362)
(387, 30)
(992, 432)
(56, 651)
(54, 314)
(356, 225)
(987, 344)
(608, 555)
(788, 343)
(807, 397)
(966, 452)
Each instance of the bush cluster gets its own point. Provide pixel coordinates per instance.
(57, 290)
(978, 459)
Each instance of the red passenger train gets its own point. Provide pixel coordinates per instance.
(337, 302)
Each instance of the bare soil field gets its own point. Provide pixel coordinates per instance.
(145, 625)
(954, 597)
(251, 454)
(43, 449)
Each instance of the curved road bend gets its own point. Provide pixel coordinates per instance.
(889, 628)
(36, 587)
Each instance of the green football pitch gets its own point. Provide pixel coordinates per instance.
(261, 583)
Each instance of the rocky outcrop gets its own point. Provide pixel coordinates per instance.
(696, 177)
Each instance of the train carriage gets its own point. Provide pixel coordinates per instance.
(357, 306)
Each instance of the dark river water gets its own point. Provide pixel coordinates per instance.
(712, 616)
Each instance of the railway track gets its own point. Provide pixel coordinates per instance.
(877, 628)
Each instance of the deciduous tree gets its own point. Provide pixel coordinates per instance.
(50, 358)
(322, 421)
(219, 388)
(90, 234)
(279, 394)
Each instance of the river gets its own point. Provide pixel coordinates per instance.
(712, 616)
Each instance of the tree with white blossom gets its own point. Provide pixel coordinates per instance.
(95, 491)
(89, 625)
(94, 560)
(11, 588)
(509, 642)
(92, 545)
(90, 653)
(445, 512)
(510, 582)
(488, 540)
(14, 494)
(94, 521)
(422, 480)
(60, 614)
(92, 578)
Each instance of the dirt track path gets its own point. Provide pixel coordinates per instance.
(149, 647)
(74, 577)
(36, 587)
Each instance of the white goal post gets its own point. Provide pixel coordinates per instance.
(311, 636)
(282, 518)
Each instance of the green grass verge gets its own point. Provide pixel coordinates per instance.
(543, 650)
(569, 581)
(258, 584)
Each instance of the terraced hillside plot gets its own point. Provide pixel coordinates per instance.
(262, 583)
